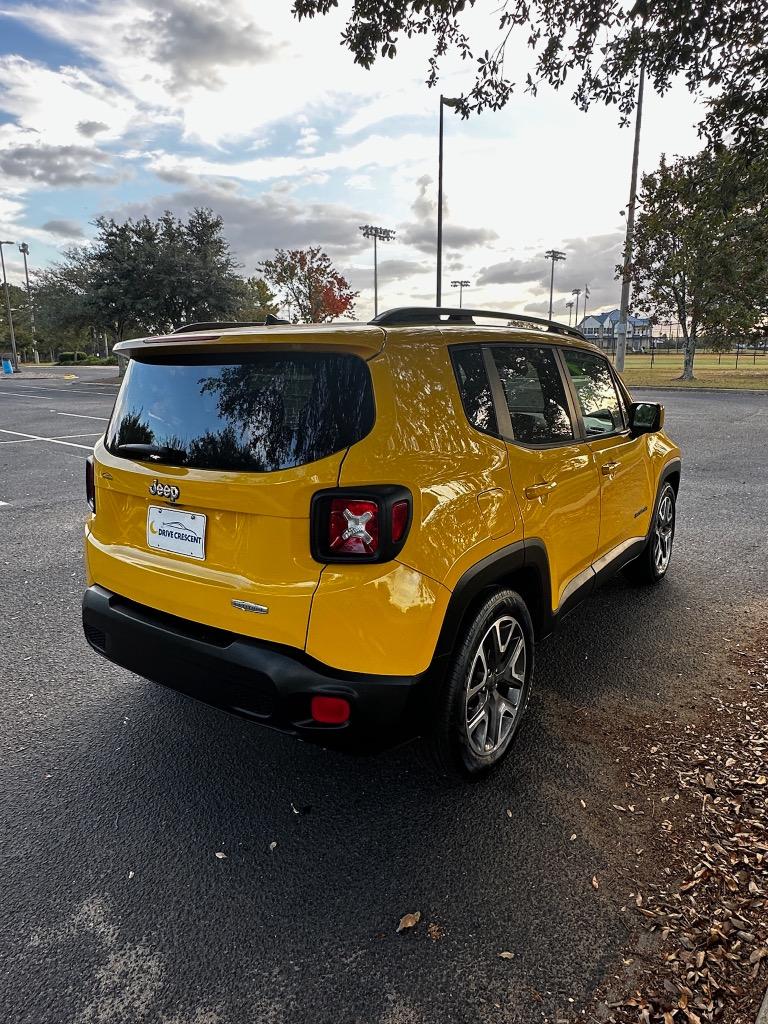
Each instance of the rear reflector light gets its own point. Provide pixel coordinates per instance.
(399, 519)
(330, 710)
(353, 527)
(90, 485)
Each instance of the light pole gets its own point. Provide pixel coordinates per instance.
(386, 235)
(461, 285)
(24, 250)
(444, 102)
(554, 255)
(8, 308)
(621, 345)
(569, 307)
(577, 293)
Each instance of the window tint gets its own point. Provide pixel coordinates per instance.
(534, 391)
(474, 388)
(258, 412)
(596, 391)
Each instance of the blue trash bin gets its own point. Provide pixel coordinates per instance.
(7, 366)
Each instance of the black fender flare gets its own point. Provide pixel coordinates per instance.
(522, 562)
(672, 468)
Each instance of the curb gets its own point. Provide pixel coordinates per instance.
(762, 1013)
(683, 390)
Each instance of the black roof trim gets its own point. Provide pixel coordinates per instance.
(428, 316)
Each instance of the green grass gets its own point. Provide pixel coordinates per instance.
(708, 372)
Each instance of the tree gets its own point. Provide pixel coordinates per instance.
(721, 50)
(309, 285)
(701, 247)
(257, 300)
(142, 275)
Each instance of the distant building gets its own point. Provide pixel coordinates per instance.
(602, 328)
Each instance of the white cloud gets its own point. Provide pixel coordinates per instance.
(55, 104)
(362, 182)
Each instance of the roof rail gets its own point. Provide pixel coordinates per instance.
(212, 325)
(418, 316)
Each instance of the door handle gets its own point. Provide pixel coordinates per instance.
(540, 490)
(608, 468)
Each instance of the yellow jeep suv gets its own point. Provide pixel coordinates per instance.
(356, 533)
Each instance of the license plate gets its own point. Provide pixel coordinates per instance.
(170, 529)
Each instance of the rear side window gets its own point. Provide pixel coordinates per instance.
(474, 388)
(258, 412)
(534, 392)
(596, 391)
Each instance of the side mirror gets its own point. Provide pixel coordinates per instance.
(645, 417)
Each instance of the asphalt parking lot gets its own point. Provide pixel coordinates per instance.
(116, 795)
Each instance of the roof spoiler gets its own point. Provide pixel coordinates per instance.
(223, 325)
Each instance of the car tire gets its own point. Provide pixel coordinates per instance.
(651, 566)
(485, 691)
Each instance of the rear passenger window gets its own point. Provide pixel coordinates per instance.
(534, 392)
(474, 388)
(592, 378)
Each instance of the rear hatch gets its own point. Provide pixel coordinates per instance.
(205, 475)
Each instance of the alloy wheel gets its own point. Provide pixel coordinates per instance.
(663, 533)
(495, 686)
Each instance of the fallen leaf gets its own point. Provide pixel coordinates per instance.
(220, 855)
(583, 804)
(509, 812)
(272, 846)
(595, 883)
(573, 836)
(409, 921)
(506, 955)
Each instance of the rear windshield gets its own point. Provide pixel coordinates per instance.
(257, 412)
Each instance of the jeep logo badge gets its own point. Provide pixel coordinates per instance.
(169, 491)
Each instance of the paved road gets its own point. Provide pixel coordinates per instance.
(116, 794)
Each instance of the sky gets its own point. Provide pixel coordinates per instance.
(132, 107)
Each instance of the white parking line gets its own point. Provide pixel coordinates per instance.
(29, 388)
(57, 437)
(15, 394)
(50, 440)
(82, 416)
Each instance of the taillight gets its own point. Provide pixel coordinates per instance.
(90, 484)
(360, 524)
(353, 527)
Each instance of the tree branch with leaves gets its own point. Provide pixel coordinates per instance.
(595, 46)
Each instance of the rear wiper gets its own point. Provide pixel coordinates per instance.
(155, 452)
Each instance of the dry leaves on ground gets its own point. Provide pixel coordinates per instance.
(409, 921)
(712, 963)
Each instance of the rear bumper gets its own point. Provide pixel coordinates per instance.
(266, 683)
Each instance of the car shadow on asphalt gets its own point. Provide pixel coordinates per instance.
(324, 852)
